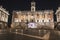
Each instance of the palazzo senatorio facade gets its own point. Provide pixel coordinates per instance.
(42, 18)
(3, 17)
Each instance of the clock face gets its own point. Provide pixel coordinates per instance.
(32, 25)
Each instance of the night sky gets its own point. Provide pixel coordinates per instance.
(11, 5)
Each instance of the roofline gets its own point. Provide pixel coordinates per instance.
(4, 10)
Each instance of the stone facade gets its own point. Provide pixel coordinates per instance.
(57, 24)
(3, 17)
(41, 17)
(58, 14)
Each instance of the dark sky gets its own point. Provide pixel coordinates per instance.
(11, 5)
(25, 4)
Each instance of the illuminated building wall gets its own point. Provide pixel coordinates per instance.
(41, 17)
(58, 14)
(3, 16)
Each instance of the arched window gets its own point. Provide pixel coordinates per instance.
(37, 14)
(37, 20)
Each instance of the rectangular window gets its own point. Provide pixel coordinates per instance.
(37, 14)
(6, 19)
(2, 19)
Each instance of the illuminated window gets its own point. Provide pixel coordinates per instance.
(32, 9)
(2, 18)
(37, 14)
(6, 19)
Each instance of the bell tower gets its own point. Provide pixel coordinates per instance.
(33, 6)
